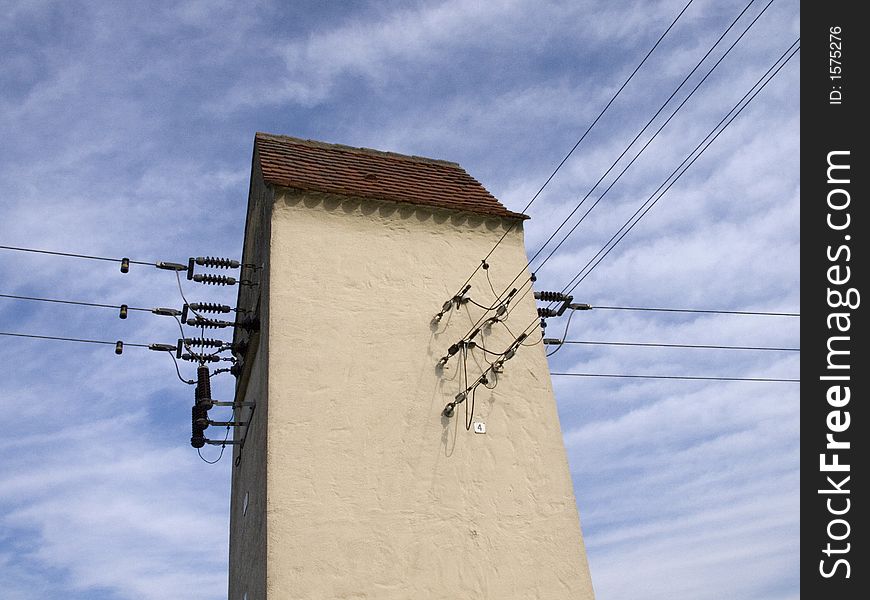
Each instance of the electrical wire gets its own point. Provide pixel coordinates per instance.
(582, 137)
(491, 287)
(73, 255)
(224, 445)
(698, 310)
(564, 335)
(652, 138)
(646, 144)
(178, 371)
(66, 339)
(663, 345)
(685, 165)
(75, 302)
(685, 377)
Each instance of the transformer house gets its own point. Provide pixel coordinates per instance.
(362, 472)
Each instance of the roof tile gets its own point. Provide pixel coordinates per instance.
(333, 168)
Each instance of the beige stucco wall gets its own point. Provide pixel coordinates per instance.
(367, 491)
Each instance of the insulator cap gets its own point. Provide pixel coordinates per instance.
(552, 296)
(197, 439)
(217, 263)
(204, 342)
(209, 323)
(196, 357)
(210, 307)
(119, 347)
(125, 265)
(202, 393)
(214, 279)
(123, 313)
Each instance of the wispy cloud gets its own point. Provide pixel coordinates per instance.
(126, 131)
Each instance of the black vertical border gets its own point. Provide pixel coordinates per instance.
(827, 127)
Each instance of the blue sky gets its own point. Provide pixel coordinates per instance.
(126, 130)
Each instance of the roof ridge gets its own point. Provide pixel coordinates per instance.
(356, 149)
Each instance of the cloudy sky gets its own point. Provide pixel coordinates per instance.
(126, 129)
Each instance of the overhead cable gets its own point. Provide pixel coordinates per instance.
(66, 339)
(157, 311)
(85, 256)
(700, 310)
(726, 121)
(651, 139)
(684, 165)
(646, 144)
(582, 137)
(664, 345)
(685, 377)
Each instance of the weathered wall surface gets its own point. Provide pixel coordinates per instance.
(371, 493)
(248, 519)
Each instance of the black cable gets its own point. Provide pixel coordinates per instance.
(177, 370)
(224, 445)
(491, 287)
(685, 165)
(469, 421)
(585, 133)
(479, 305)
(564, 334)
(663, 345)
(652, 138)
(66, 339)
(687, 377)
(14, 297)
(72, 255)
(697, 310)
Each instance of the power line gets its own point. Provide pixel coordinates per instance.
(684, 165)
(66, 339)
(75, 302)
(636, 137)
(73, 255)
(698, 310)
(582, 137)
(654, 135)
(683, 377)
(663, 345)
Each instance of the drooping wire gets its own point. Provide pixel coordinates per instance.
(224, 445)
(685, 165)
(178, 371)
(564, 335)
(683, 377)
(577, 144)
(73, 255)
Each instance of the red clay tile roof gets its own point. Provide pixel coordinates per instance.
(332, 168)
